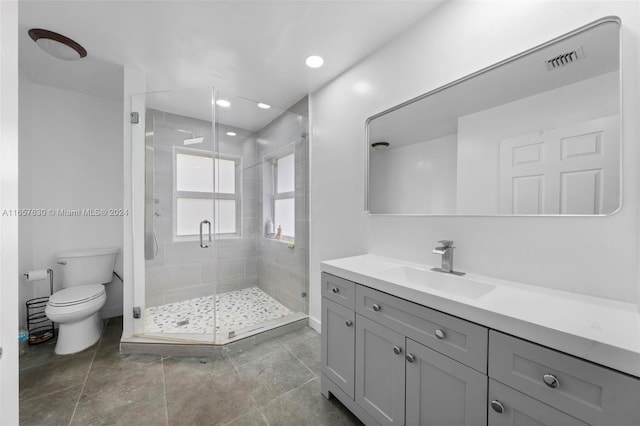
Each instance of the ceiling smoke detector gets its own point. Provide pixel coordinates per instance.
(57, 45)
(564, 59)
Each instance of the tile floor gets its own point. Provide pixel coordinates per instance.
(235, 310)
(273, 383)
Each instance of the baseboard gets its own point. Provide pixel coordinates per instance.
(315, 324)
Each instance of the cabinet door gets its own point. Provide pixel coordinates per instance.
(380, 380)
(512, 408)
(338, 345)
(441, 391)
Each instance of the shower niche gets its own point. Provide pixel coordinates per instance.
(221, 176)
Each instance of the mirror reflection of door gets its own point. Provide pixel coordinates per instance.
(567, 170)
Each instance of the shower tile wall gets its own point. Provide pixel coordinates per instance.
(183, 270)
(282, 271)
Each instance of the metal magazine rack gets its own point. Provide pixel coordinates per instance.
(39, 326)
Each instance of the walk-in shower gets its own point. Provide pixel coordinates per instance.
(225, 217)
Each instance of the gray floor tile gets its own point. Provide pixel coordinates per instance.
(55, 408)
(181, 369)
(254, 352)
(274, 383)
(151, 412)
(117, 387)
(206, 398)
(252, 418)
(307, 349)
(273, 374)
(36, 355)
(305, 405)
(60, 373)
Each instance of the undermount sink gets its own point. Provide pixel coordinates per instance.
(440, 281)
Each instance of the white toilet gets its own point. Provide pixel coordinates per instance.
(75, 307)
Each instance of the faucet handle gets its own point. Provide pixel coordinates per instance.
(446, 243)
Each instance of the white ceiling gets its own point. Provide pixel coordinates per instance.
(253, 49)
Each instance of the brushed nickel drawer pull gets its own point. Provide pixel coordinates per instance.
(551, 381)
(410, 357)
(376, 307)
(497, 406)
(349, 323)
(335, 290)
(440, 334)
(397, 350)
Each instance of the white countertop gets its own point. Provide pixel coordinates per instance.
(603, 331)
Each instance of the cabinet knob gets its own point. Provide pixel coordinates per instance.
(397, 350)
(410, 358)
(376, 307)
(497, 406)
(551, 381)
(439, 334)
(335, 290)
(349, 323)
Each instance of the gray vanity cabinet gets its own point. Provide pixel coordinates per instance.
(338, 337)
(441, 391)
(512, 408)
(395, 362)
(380, 379)
(413, 365)
(338, 332)
(591, 393)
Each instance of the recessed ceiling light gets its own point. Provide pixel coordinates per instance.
(57, 45)
(314, 61)
(263, 106)
(231, 133)
(223, 103)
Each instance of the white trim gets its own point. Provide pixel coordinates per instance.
(9, 224)
(315, 324)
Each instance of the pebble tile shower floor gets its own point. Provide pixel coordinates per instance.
(273, 383)
(235, 310)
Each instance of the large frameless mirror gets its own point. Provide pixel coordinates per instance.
(537, 134)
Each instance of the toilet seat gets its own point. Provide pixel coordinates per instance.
(76, 295)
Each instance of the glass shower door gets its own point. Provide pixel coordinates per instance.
(261, 273)
(179, 212)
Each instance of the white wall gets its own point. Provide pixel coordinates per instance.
(9, 224)
(480, 134)
(25, 223)
(417, 178)
(74, 162)
(591, 255)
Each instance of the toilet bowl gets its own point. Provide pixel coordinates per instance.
(75, 308)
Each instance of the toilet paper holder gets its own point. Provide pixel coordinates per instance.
(39, 326)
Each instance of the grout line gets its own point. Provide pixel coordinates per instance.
(164, 390)
(75, 408)
(299, 360)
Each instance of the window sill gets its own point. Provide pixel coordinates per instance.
(283, 241)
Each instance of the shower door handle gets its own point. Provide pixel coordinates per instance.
(202, 243)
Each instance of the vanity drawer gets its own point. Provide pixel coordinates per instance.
(339, 290)
(458, 339)
(589, 392)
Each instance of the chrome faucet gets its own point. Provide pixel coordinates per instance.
(446, 251)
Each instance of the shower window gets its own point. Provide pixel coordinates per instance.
(284, 195)
(197, 197)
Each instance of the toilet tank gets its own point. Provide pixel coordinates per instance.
(86, 266)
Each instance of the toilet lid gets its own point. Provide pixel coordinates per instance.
(76, 295)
